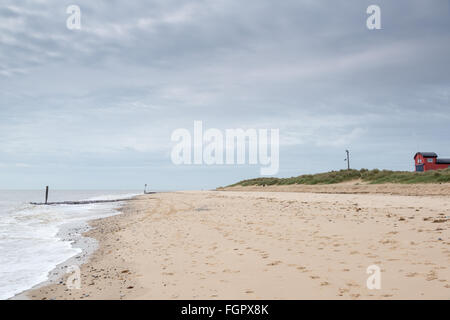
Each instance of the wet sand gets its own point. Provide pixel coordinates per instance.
(268, 245)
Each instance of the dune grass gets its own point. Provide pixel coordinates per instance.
(369, 176)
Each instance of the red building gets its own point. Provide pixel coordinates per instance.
(426, 161)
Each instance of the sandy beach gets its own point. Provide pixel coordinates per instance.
(270, 244)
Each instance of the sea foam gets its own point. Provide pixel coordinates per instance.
(30, 241)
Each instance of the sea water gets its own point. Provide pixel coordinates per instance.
(30, 241)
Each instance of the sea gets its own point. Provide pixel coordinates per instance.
(33, 239)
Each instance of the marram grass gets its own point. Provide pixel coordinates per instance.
(369, 176)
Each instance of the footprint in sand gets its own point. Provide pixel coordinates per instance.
(411, 274)
(352, 284)
(275, 263)
(341, 291)
(431, 276)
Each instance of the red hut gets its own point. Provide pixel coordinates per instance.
(426, 161)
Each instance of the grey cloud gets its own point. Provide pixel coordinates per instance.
(113, 91)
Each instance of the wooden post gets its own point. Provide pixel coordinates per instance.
(46, 194)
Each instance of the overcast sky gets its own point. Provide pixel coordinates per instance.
(95, 108)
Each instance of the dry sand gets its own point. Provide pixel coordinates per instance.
(268, 245)
(353, 187)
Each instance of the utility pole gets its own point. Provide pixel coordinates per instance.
(348, 159)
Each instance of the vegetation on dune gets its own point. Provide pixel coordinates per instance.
(369, 176)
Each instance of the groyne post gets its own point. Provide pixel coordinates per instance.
(46, 194)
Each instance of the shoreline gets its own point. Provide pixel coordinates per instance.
(88, 236)
(266, 245)
(76, 233)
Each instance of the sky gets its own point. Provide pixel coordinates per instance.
(95, 108)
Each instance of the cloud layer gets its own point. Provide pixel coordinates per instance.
(96, 107)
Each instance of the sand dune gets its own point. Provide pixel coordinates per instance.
(268, 245)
